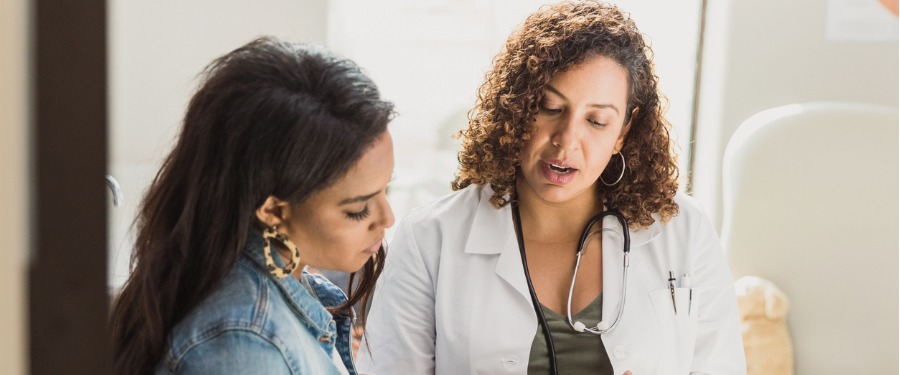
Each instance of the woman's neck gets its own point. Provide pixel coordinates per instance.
(545, 221)
(298, 272)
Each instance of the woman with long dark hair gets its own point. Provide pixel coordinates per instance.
(282, 162)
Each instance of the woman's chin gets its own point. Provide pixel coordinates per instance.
(354, 266)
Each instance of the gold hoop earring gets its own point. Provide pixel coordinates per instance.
(620, 173)
(271, 234)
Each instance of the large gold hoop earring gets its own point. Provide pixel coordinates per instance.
(271, 234)
(620, 173)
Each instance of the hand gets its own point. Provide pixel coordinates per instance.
(627, 372)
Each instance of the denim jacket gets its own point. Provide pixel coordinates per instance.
(255, 323)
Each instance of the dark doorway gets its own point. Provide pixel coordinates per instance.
(68, 302)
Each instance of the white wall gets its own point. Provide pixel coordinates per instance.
(430, 57)
(767, 53)
(156, 51)
(14, 197)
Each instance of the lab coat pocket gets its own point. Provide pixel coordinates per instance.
(677, 326)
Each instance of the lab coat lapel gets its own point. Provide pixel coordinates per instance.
(493, 233)
(509, 266)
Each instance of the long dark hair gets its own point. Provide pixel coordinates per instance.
(269, 118)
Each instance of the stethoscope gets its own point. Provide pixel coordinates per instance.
(602, 326)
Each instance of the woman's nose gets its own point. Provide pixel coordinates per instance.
(386, 215)
(565, 134)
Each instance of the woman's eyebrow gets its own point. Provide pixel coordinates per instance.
(596, 105)
(555, 91)
(361, 198)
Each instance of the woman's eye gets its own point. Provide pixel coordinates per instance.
(596, 123)
(359, 215)
(549, 110)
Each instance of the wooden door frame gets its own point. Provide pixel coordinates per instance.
(68, 301)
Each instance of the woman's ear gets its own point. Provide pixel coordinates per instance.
(272, 212)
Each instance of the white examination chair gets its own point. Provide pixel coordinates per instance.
(811, 203)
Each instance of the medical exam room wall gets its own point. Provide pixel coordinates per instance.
(14, 197)
(767, 53)
(156, 51)
(430, 56)
(427, 56)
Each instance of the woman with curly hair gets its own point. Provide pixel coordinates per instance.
(566, 247)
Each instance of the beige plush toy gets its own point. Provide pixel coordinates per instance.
(763, 308)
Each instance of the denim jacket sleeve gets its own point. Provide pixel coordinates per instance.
(234, 352)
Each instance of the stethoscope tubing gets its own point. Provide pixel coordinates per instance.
(585, 235)
(534, 300)
(626, 248)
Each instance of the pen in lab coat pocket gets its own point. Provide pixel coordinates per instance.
(672, 290)
(686, 283)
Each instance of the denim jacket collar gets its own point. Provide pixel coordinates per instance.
(309, 307)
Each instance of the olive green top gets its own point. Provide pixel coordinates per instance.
(576, 352)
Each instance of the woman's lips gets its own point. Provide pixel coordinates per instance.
(555, 175)
(371, 250)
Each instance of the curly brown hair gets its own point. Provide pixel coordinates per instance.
(552, 40)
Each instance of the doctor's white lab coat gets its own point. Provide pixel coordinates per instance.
(453, 297)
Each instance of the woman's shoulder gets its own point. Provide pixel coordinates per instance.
(691, 219)
(245, 308)
(692, 223)
(688, 205)
(232, 309)
(233, 302)
(229, 351)
(690, 211)
(456, 206)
